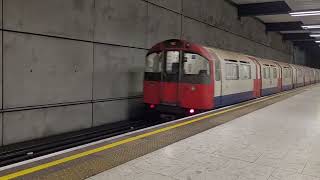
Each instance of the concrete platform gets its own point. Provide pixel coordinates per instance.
(278, 142)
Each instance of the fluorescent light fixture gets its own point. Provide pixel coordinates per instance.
(311, 27)
(317, 41)
(305, 13)
(315, 35)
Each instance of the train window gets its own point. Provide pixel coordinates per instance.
(275, 73)
(230, 60)
(299, 73)
(286, 73)
(153, 63)
(232, 71)
(266, 72)
(172, 65)
(195, 64)
(245, 71)
(218, 70)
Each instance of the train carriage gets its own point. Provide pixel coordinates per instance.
(286, 76)
(298, 75)
(307, 76)
(313, 75)
(234, 77)
(270, 75)
(317, 75)
(183, 77)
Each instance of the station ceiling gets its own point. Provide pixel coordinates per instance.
(276, 15)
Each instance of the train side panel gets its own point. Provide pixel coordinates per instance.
(237, 78)
(271, 81)
(286, 76)
(299, 76)
(307, 77)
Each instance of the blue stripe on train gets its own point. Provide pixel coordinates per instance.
(299, 84)
(233, 98)
(288, 87)
(269, 91)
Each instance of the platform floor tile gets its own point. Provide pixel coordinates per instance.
(278, 142)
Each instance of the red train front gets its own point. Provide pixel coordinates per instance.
(178, 78)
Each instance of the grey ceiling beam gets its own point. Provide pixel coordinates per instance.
(266, 8)
(284, 26)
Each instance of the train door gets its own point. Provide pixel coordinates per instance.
(170, 77)
(257, 80)
(266, 79)
(274, 72)
(294, 76)
(217, 83)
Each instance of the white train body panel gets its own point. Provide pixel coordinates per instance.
(286, 75)
(234, 86)
(307, 76)
(298, 75)
(270, 75)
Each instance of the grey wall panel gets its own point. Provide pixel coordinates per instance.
(162, 25)
(198, 32)
(118, 71)
(202, 10)
(299, 56)
(115, 111)
(195, 31)
(1, 133)
(1, 71)
(32, 124)
(67, 18)
(174, 5)
(41, 70)
(121, 22)
(222, 14)
(1, 17)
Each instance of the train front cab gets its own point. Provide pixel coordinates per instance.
(178, 78)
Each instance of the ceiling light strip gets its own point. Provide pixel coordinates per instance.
(300, 15)
(315, 35)
(311, 27)
(304, 12)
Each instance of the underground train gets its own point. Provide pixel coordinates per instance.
(183, 77)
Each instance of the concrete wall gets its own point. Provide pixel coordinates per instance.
(299, 56)
(73, 64)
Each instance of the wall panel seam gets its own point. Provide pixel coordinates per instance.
(2, 74)
(71, 39)
(93, 59)
(45, 106)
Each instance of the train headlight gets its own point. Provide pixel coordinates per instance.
(193, 88)
(191, 111)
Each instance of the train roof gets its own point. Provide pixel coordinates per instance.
(208, 52)
(228, 55)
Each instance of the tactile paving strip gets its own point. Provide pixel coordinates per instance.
(93, 164)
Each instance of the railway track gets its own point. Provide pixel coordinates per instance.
(25, 151)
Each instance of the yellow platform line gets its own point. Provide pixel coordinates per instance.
(89, 152)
